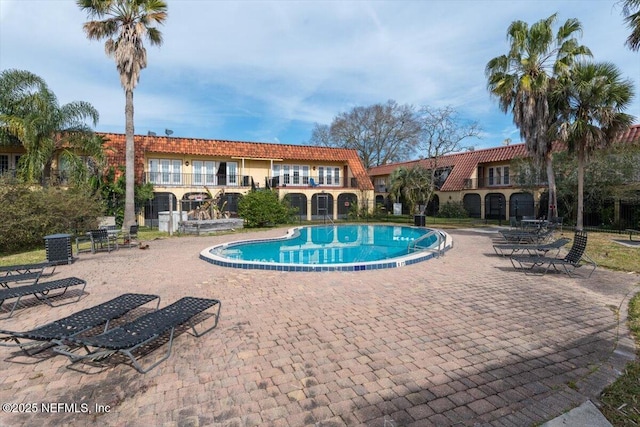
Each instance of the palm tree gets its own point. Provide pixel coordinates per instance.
(631, 11)
(31, 116)
(592, 101)
(522, 80)
(124, 23)
(411, 185)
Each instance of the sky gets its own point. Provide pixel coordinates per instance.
(268, 71)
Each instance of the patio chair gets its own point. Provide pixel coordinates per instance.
(572, 261)
(129, 236)
(532, 248)
(53, 333)
(142, 332)
(41, 291)
(101, 240)
(312, 182)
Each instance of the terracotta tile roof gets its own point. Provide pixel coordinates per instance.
(631, 135)
(228, 149)
(464, 164)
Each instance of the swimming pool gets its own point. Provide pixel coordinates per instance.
(334, 247)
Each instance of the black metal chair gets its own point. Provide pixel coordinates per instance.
(101, 240)
(141, 332)
(572, 261)
(53, 333)
(129, 236)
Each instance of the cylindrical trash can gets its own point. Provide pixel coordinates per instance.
(419, 220)
(58, 248)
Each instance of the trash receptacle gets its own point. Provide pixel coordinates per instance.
(58, 248)
(419, 220)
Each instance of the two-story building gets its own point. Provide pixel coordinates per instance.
(484, 181)
(321, 182)
(480, 179)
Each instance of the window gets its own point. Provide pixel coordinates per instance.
(204, 173)
(290, 175)
(285, 175)
(381, 185)
(296, 175)
(275, 176)
(499, 175)
(165, 171)
(328, 175)
(232, 173)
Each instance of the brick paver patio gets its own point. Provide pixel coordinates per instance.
(459, 340)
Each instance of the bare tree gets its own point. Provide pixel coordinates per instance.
(442, 133)
(381, 133)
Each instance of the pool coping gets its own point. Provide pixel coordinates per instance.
(409, 259)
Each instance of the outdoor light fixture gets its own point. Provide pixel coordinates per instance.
(186, 163)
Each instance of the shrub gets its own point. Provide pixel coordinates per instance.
(453, 210)
(30, 213)
(262, 207)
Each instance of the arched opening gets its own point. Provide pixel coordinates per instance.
(161, 202)
(321, 206)
(472, 204)
(229, 203)
(495, 206)
(346, 201)
(433, 207)
(521, 204)
(298, 201)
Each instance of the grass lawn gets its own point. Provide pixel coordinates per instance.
(621, 400)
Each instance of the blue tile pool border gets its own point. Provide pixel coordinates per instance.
(409, 259)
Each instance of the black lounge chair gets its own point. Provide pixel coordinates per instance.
(532, 248)
(142, 331)
(55, 332)
(520, 236)
(24, 273)
(41, 291)
(20, 278)
(573, 260)
(28, 268)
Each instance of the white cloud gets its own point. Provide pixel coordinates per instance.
(270, 69)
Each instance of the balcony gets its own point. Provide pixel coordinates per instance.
(165, 179)
(512, 181)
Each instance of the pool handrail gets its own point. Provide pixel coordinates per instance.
(439, 248)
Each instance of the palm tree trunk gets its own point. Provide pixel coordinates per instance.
(580, 213)
(129, 201)
(552, 209)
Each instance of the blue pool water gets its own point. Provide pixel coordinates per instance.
(343, 247)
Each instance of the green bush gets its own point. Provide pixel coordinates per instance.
(262, 207)
(453, 210)
(30, 213)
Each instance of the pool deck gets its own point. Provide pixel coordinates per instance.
(458, 340)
